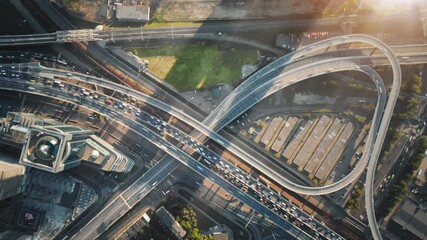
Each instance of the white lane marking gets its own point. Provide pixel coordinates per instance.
(125, 202)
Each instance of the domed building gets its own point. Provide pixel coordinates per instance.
(55, 148)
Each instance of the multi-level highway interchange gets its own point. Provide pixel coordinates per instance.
(304, 63)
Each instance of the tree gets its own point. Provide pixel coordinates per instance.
(358, 191)
(423, 144)
(415, 85)
(188, 221)
(353, 203)
(355, 86)
(408, 108)
(346, 8)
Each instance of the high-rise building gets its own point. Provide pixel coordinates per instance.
(54, 146)
(13, 177)
(14, 127)
(13, 234)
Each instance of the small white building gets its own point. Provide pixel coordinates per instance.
(133, 13)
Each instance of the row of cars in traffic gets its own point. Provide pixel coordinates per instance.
(316, 35)
(275, 202)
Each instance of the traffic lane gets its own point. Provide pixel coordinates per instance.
(204, 152)
(102, 221)
(251, 25)
(116, 196)
(109, 216)
(369, 198)
(164, 167)
(147, 99)
(152, 85)
(100, 53)
(157, 121)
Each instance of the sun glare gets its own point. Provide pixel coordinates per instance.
(382, 5)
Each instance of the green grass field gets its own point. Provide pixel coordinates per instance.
(192, 66)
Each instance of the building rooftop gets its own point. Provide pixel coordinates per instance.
(56, 148)
(335, 153)
(303, 130)
(60, 197)
(260, 133)
(15, 235)
(15, 126)
(422, 172)
(167, 219)
(413, 217)
(132, 13)
(44, 149)
(29, 219)
(12, 177)
(99, 152)
(324, 147)
(220, 236)
(284, 134)
(135, 226)
(312, 141)
(271, 130)
(86, 197)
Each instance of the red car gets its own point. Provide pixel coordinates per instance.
(108, 101)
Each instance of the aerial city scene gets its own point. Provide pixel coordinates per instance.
(213, 119)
